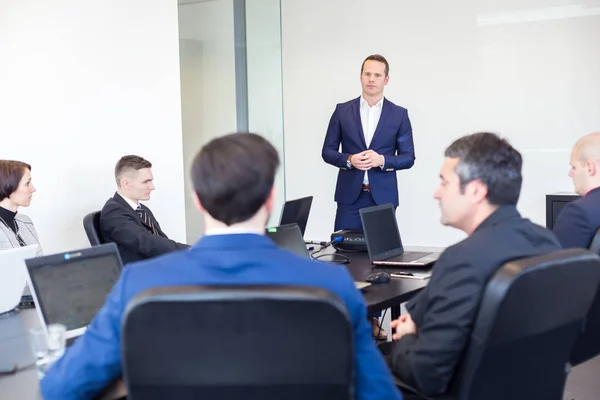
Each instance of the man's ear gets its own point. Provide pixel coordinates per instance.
(477, 191)
(197, 202)
(123, 184)
(591, 168)
(270, 202)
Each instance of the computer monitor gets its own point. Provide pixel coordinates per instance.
(70, 288)
(288, 237)
(554, 205)
(296, 211)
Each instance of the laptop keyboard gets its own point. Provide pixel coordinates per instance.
(409, 256)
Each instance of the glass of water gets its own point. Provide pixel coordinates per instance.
(39, 345)
(57, 340)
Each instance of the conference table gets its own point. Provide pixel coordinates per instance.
(381, 296)
(14, 329)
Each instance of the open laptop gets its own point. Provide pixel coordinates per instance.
(290, 238)
(383, 240)
(69, 288)
(296, 211)
(13, 275)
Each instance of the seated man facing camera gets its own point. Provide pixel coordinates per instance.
(233, 182)
(127, 222)
(579, 220)
(479, 188)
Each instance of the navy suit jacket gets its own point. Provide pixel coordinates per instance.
(94, 360)
(120, 223)
(444, 312)
(392, 139)
(578, 221)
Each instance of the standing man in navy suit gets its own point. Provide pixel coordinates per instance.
(579, 220)
(376, 139)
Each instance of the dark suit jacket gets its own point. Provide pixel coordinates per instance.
(578, 221)
(392, 139)
(119, 223)
(445, 310)
(94, 360)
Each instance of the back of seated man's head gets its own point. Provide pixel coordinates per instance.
(233, 178)
(134, 178)
(481, 172)
(585, 163)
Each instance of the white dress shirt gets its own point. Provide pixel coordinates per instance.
(132, 203)
(369, 118)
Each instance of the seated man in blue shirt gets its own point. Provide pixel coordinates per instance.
(579, 220)
(233, 182)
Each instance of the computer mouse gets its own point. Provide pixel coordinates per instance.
(378, 277)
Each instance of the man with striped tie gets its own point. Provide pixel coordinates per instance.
(127, 222)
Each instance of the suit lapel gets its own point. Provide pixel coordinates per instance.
(117, 197)
(385, 111)
(356, 115)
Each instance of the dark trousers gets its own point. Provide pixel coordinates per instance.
(347, 215)
(407, 394)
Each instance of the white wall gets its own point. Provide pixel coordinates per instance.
(81, 84)
(207, 85)
(526, 69)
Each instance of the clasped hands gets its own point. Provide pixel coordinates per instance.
(366, 160)
(404, 326)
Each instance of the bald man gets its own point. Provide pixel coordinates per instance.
(579, 220)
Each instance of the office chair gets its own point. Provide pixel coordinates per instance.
(588, 344)
(530, 315)
(237, 342)
(91, 224)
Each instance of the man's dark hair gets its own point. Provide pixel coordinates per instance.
(492, 160)
(233, 176)
(128, 163)
(376, 57)
(11, 173)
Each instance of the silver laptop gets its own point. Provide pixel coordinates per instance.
(383, 240)
(289, 237)
(13, 275)
(70, 288)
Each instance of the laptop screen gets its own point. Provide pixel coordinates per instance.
(296, 211)
(288, 237)
(70, 288)
(13, 275)
(381, 232)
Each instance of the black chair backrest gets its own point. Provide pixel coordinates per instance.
(588, 344)
(91, 224)
(595, 244)
(531, 313)
(237, 342)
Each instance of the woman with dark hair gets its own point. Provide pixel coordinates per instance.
(16, 190)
